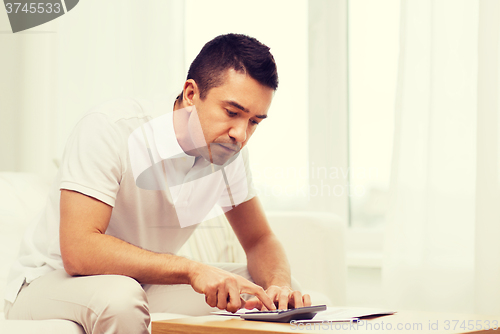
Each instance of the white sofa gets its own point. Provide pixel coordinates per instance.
(314, 243)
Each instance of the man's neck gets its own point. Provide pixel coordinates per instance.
(181, 129)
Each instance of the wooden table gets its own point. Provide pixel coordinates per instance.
(402, 322)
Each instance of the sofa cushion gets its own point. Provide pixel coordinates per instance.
(39, 327)
(60, 326)
(22, 197)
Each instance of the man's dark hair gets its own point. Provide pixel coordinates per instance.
(232, 51)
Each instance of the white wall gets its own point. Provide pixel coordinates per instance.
(53, 73)
(27, 103)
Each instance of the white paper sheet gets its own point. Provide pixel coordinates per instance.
(336, 314)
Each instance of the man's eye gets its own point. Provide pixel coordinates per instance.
(231, 114)
(254, 122)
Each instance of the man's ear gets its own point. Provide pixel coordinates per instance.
(190, 92)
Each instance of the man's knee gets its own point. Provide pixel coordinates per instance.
(124, 298)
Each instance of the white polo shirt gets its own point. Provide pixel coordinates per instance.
(115, 154)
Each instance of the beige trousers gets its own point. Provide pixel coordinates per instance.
(109, 303)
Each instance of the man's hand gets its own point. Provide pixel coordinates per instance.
(282, 296)
(222, 289)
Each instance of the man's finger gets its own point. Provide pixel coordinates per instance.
(307, 300)
(242, 303)
(222, 297)
(283, 300)
(211, 298)
(234, 299)
(253, 303)
(258, 292)
(297, 299)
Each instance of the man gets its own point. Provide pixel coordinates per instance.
(102, 254)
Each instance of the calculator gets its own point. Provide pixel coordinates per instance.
(299, 313)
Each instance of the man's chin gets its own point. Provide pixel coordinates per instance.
(221, 154)
(221, 159)
(215, 157)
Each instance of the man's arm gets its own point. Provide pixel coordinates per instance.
(87, 250)
(266, 258)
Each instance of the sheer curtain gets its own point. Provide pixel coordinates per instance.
(442, 250)
(328, 104)
(98, 51)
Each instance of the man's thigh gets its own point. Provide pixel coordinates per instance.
(85, 300)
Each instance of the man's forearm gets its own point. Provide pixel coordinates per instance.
(100, 254)
(267, 263)
(87, 250)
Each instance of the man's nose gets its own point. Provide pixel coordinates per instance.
(239, 131)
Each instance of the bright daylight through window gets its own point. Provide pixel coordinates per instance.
(373, 45)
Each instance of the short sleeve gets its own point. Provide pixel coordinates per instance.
(91, 163)
(240, 183)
